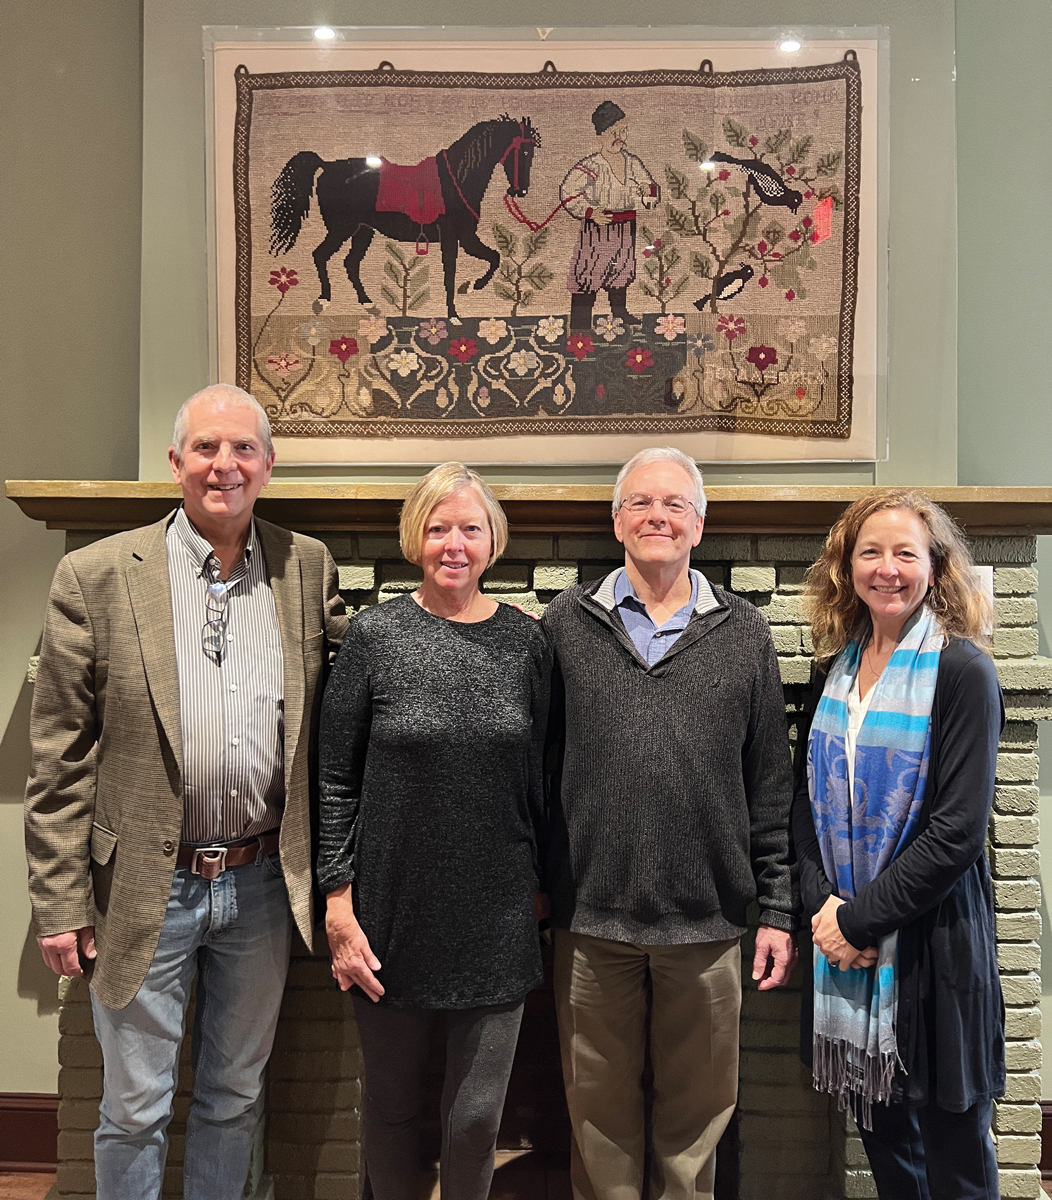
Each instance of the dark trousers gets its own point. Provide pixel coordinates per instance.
(931, 1154)
(480, 1047)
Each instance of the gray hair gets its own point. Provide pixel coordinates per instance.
(227, 396)
(654, 454)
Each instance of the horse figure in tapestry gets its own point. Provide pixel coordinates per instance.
(439, 200)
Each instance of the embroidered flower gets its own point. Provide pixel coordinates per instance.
(283, 279)
(373, 329)
(522, 361)
(600, 391)
(432, 331)
(790, 170)
(723, 176)
(731, 326)
(807, 222)
(638, 359)
(792, 329)
(763, 281)
(462, 349)
(704, 344)
(283, 364)
(762, 357)
(762, 247)
(403, 362)
(442, 399)
(790, 294)
(670, 327)
(609, 328)
(822, 347)
(559, 395)
(794, 235)
(493, 330)
(313, 332)
(550, 328)
(754, 141)
(801, 392)
(482, 399)
(579, 344)
(343, 348)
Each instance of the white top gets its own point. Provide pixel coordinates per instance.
(856, 714)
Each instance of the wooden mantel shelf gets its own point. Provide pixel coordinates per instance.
(119, 504)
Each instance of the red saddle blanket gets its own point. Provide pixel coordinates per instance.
(414, 191)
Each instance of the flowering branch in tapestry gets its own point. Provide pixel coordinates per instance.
(520, 279)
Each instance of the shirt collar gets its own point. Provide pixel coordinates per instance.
(200, 551)
(624, 591)
(701, 592)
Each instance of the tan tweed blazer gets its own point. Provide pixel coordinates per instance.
(104, 800)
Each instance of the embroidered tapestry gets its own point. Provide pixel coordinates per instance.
(452, 254)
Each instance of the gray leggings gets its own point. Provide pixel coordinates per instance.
(480, 1047)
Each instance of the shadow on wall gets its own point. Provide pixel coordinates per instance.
(35, 981)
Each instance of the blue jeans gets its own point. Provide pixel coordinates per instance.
(234, 933)
(931, 1154)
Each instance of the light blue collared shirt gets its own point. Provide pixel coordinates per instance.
(652, 641)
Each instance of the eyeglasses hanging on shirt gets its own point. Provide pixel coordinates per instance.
(217, 606)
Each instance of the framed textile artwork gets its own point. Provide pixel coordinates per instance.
(550, 250)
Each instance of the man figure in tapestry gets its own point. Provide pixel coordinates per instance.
(603, 191)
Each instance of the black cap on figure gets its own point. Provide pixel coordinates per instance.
(605, 115)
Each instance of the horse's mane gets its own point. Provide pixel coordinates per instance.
(474, 147)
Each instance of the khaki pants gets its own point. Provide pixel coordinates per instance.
(600, 992)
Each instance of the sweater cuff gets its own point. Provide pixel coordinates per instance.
(334, 878)
(853, 933)
(788, 922)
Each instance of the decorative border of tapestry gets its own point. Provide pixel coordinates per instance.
(564, 256)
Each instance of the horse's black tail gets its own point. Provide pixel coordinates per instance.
(290, 199)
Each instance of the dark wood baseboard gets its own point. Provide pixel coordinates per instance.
(28, 1131)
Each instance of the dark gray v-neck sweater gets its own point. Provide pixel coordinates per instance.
(671, 784)
(431, 791)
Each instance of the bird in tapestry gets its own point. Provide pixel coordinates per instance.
(436, 201)
(727, 286)
(769, 185)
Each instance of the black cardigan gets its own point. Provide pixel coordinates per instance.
(938, 894)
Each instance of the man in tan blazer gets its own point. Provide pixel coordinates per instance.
(168, 807)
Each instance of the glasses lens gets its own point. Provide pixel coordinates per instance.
(675, 505)
(638, 503)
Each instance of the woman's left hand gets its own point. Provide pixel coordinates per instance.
(542, 908)
(825, 932)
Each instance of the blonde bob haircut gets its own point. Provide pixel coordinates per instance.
(955, 597)
(436, 485)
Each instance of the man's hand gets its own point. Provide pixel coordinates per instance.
(60, 950)
(775, 957)
(353, 962)
(825, 931)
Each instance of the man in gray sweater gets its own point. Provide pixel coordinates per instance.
(671, 784)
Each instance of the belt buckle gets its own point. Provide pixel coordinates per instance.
(208, 861)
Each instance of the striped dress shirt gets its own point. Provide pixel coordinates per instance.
(231, 703)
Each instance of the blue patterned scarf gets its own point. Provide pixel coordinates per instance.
(855, 1051)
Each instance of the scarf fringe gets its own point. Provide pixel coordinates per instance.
(856, 1085)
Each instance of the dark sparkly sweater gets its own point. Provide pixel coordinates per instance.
(671, 784)
(431, 792)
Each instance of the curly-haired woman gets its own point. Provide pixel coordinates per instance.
(889, 821)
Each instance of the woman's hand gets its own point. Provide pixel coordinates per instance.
(825, 931)
(353, 962)
(866, 958)
(542, 908)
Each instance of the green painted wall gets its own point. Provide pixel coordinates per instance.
(1004, 205)
(70, 142)
(922, 329)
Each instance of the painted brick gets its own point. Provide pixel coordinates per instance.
(1019, 581)
(1006, 863)
(506, 577)
(1024, 956)
(795, 670)
(602, 546)
(1016, 611)
(808, 640)
(723, 547)
(78, 1114)
(1020, 1185)
(1022, 549)
(1028, 706)
(1015, 643)
(314, 1064)
(590, 571)
(76, 1144)
(1016, 800)
(784, 610)
(1017, 1118)
(79, 1052)
(1015, 831)
(792, 579)
(357, 577)
(379, 545)
(1023, 1056)
(551, 577)
(752, 579)
(1017, 768)
(1022, 1088)
(757, 1186)
(312, 1127)
(80, 1082)
(768, 1035)
(767, 1098)
(74, 1019)
(1013, 894)
(1018, 1150)
(778, 1159)
(527, 601)
(1026, 674)
(714, 573)
(765, 1067)
(1018, 927)
(529, 546)
(297, 1158)
(319, 1095)
(1022, 1022)
(341, 545)
(400, 577)
(75, 1178)
(788, 549)
(786, 638)
(1019, 735)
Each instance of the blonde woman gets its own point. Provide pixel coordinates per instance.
(431, 746)
(907, 1022)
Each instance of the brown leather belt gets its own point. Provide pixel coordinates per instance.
(211, 861)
